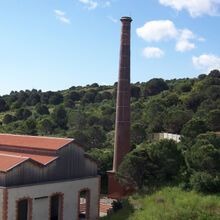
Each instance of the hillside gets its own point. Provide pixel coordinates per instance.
(88, 113)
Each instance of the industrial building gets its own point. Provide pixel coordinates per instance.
(47, 178)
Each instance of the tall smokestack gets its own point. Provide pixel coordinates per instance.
(122, 123)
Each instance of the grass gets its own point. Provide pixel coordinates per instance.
(170, 203)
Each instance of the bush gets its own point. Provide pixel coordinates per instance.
(23, 114)
(42, 109)
(205, 182)
(157, 161)
(203, 163)
(116, 205)
(154, 87)
(8, 119)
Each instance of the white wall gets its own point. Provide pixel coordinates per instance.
(70, 190)
(160, 136)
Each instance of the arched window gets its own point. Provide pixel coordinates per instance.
(84, 204)
(24, 208)
(56, 204)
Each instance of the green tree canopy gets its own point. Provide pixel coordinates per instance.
(157, 161)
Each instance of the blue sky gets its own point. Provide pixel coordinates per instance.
(54, 44)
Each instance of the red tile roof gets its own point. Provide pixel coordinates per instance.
(16, 149)
(8, 162)
(33, 142)
(42, 159)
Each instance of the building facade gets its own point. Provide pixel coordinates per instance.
(47, 178)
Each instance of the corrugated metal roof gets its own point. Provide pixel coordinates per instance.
(33, 142)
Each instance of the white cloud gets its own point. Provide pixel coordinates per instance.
(153, 52)
(59, 13)
(60, 16)
(206, 62)
(157, 30)
(183, 43)
(90, 4)
(194, 7)
(107, 4)
(112, 19)
(65, 20)
(166, 30)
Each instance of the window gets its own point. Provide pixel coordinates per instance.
(22, 206)
(55, 208)
(84, 203)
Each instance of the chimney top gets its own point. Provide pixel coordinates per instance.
(125, 18)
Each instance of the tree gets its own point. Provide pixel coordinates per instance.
(23, 114)
(80, 136)
(96, 136)
(3, 105)
(59, 116)
(202, 76)
(134, 169)
(42, 109)
(74, 96)
(185, 87)
(193, 101)
(8, 119)
(33, 99)
(30, 126)
(154, 87)
(154, 114)
(105, 158)
(56, 98)
(138, 133)
(106, 123)
(106, 95)
(214, 74)
(157, 161)
(89, 96)
(76, 120)
(203, 163)
(93, 120)
(175, 119)
(69, 104)
(135, 91)
(171, 100)
(194, 127)
(46, 126)
(214, 119)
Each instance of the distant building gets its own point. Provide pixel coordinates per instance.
(160, 136)
(45, 178)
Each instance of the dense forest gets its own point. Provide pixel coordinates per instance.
(189, 106)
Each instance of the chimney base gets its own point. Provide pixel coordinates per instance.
(115, 190)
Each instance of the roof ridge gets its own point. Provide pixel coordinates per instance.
(31, 136)
(17, 156)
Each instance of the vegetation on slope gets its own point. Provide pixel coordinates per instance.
(169, 203)
(185, 106)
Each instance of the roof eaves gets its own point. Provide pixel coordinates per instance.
(16, 165)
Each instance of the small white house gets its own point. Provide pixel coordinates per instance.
(45, 178)
(160, 136)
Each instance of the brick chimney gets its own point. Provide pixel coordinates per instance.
(122, 123)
